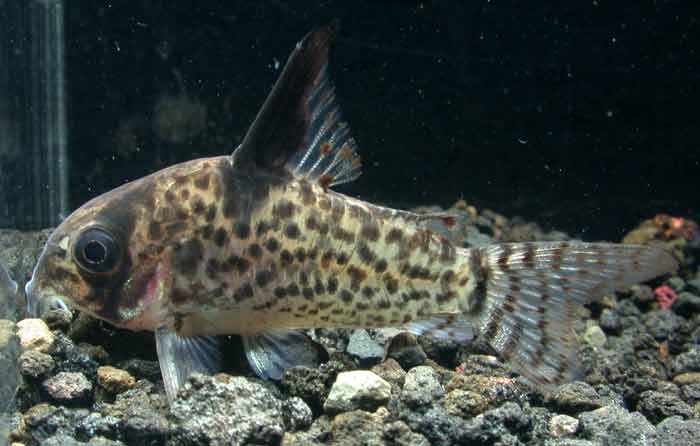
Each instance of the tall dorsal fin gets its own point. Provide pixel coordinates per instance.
(299, 127)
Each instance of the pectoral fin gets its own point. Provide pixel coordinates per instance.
(272, 352)
(181, 356)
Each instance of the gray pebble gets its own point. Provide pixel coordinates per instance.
(226, 410)
(693, 285)
(662, 323)
(688, 361)
(686, 305)
(657, 406)
(576, 397)
(610, 321)
(614, 425)
(404, 348)
(297, 414)
(421, 387)
(675, 431)
(68, 387)
(9, 373)
(676, 283)
(34, 363)
(364, 348)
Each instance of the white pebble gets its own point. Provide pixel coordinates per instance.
(359, 389)
(34, 334)
(563, 425)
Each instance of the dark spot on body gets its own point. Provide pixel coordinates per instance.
(308, 293)
(370, 231)
(178, 296)
(175, 228)
(261, 228)
(340, 233)
(557, 258)
(286, 257)
(244, 292)
(292, 231)
(323, 228)
(318, 287)
(255, 251)
(155, 230)
(346, 296)
(362, 306)
(342, 259)
(394, 236)
(357, 276)
(380, 266)
(211, 213)
(311, 223)
(392, 285)
(237, 263)
(284, 209)
(447, 252)
(202, 181)
(263, 278)
(365, 253)
(293, 289)
(326, 258)
(272, 245)
(241, 229)
(446, 296)
(169, 196)
(311, 254)
(187, 256)
(324, 203)
(529, 256)
(367, 292)
(198, 206)
(184, 194)
(207, 232)
(448, 276)
(308, 198)
(338, 210)
(212, 268)
(300, 254)
(384, 304)
(325, 305)
(220, 237)
(332, 285)
(280, 292)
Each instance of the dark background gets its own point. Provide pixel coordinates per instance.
(582, 118)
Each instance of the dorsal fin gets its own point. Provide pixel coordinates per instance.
(299, 127)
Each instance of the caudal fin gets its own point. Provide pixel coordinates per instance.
(532, 293)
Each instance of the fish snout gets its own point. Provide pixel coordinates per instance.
(38, 305)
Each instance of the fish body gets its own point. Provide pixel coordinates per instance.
(257, 243)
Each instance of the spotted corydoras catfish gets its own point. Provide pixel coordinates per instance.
(257, 244)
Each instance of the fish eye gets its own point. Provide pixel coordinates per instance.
(97, 250)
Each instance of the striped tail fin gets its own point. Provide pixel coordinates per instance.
(530, 295)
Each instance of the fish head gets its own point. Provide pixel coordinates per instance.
(112, 257)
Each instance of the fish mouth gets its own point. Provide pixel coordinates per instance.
(38, 305)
